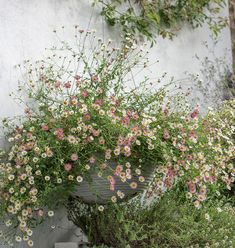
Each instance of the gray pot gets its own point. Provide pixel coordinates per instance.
(97, 190)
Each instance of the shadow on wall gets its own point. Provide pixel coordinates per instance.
(55, 230)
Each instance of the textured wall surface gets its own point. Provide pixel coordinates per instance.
(26, 29)
(232, 25)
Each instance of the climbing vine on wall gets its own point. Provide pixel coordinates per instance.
(149, 18)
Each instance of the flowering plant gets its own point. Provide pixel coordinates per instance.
(80, 116)
(203, 156)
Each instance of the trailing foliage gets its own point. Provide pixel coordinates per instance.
(161, 17)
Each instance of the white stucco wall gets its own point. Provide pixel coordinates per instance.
(26, 30)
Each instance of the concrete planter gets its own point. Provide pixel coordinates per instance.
(97, 190)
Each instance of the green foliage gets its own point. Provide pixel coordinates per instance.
(172, 222)
(161, 17)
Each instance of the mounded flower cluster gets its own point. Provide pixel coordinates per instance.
(82, 118)
(79, 120)
(203, 154)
